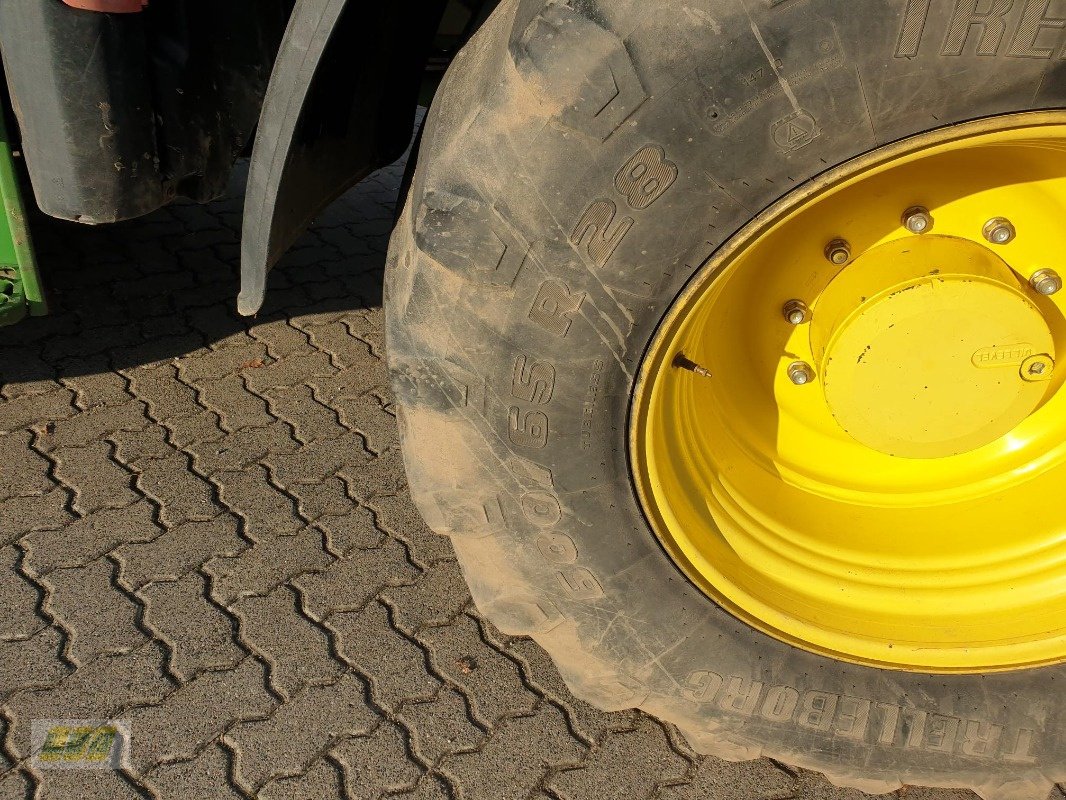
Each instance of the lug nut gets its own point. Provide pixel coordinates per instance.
(796, 312)
(1037, 368)
(999, 230)
(800, 373)
(1045, 281)
(917, 220)
(838, 252)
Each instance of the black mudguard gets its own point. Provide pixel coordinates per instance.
(118, 114)
(340, 104)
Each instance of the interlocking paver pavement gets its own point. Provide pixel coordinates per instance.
(204, 530)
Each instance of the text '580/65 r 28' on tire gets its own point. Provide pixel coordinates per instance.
(725, 340)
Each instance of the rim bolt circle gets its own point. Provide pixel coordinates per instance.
(838, 252)
(999, 230)
(1046, 281)
(917, 220)
(800, 373)
(796, 312)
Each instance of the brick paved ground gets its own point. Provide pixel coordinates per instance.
(204, 531)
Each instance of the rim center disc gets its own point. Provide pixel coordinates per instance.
(929, 366)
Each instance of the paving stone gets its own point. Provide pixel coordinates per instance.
(318, 459)
(198, 634)
(290, 371)
(398, 517)
(345, 350)
(180, 550)
(429, 788)
(101, 617)
(15, 785)
(322, 780)
(158, 386)
(32, 409)
(377, 764)
(307, 318)
(281, 338)
(517, 756)
(492, 682)
(97, 784)
(32, 663)
(369, 417)
(98, 481)
(155, 351)
(265, 509)
(350, 582)
(313, 720)
(89, 426)
(133, 446)
(298, 652)
(237, 407)
(197, 712)
(190, 429)
(90, 537)
(242, 448)
(382, 475)
(728, 780)
(327, 497)
(310, 419)
(440, 726)
(396, 667)
(94, 384)
(631, 763)
(25, 471)
(812, 786)
(97, 689)
(224, 358)
(18, 599)
(23, 373)
(353, 529)
(205, 777)
(269, 563)
(38, 512)
(435, 598)
(182, 495)
(590, 723)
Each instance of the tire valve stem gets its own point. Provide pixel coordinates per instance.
(686, 363)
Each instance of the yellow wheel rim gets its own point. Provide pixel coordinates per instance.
(849, 430)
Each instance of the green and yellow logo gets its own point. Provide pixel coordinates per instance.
(78, 744)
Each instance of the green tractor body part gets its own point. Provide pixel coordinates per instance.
(20, 283)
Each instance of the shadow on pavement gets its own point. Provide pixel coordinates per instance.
(162, 286)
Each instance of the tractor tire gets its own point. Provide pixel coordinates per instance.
(523, 290)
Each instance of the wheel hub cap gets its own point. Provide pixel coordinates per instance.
(929, 365)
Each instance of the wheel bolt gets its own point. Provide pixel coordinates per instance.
(1045, 281)
(1037, 368)
(838, 252)
(796, 312)
(800, 373)
(917, 220)
(999, 230)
